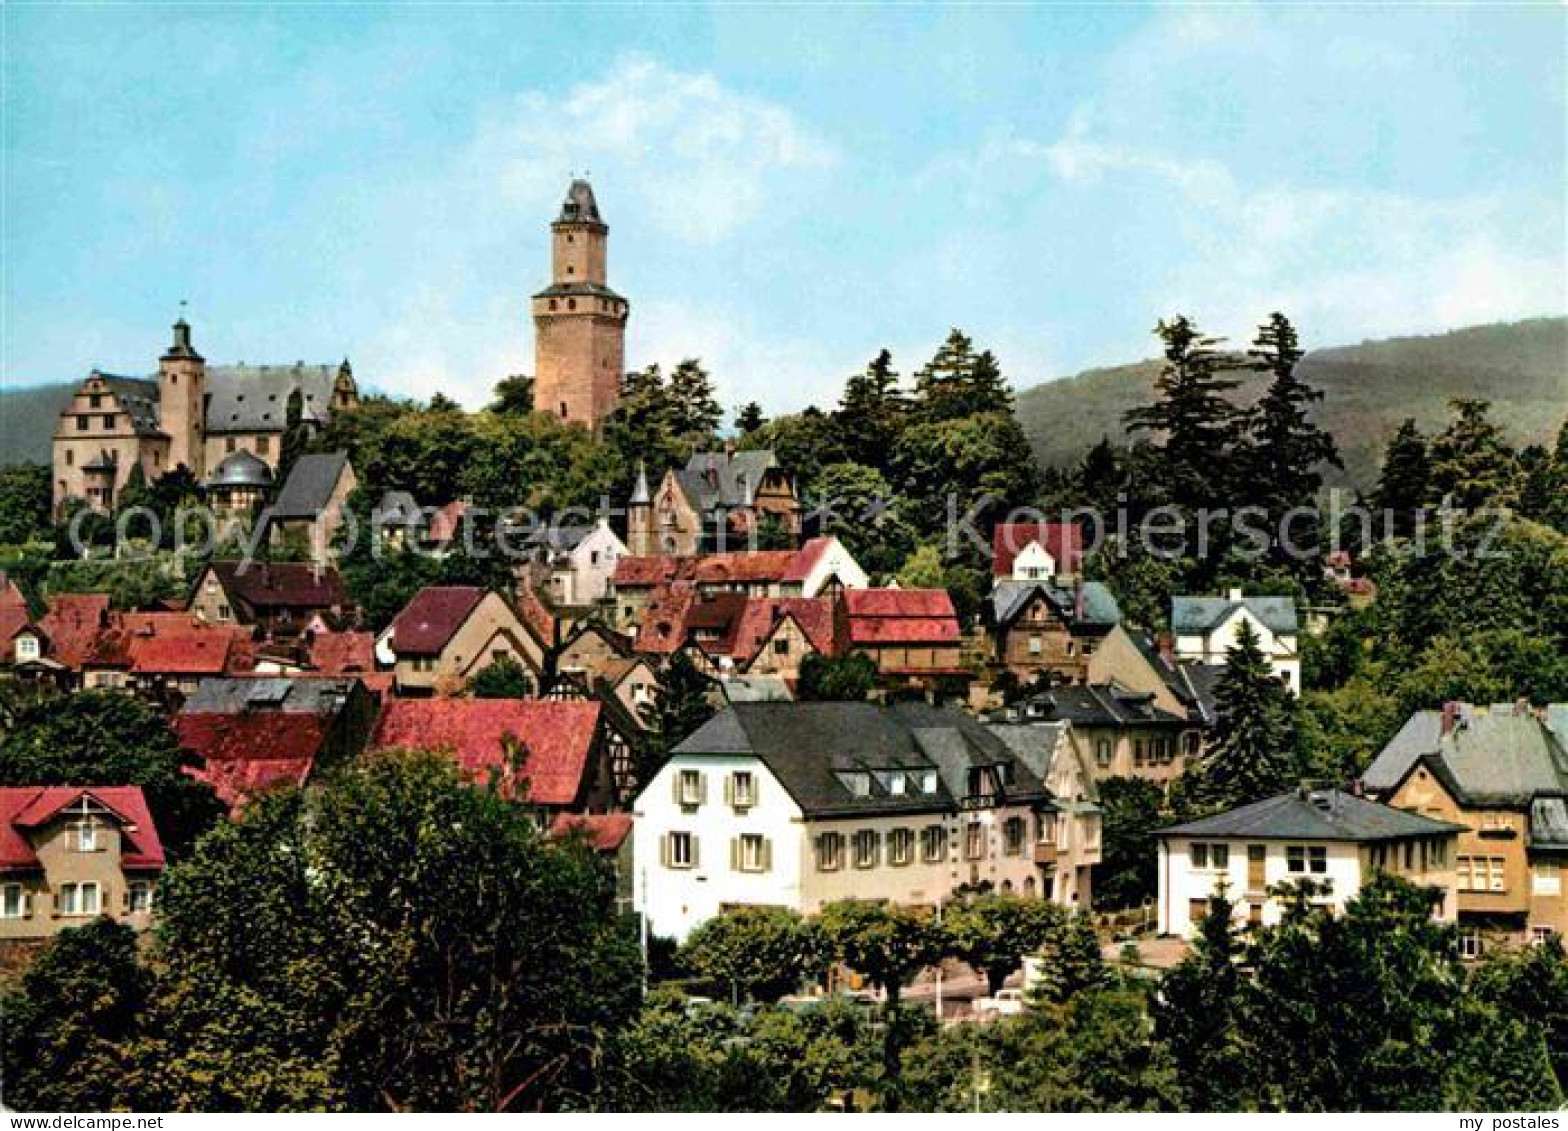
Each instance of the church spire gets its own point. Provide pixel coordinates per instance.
(641, 496)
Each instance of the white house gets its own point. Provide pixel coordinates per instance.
(801, 804)
(824, 566)
(574, 562)
(1320, 835)
(1206, 629)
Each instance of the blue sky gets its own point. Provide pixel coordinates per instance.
(788, 188)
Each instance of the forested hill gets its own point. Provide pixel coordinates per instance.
(1521, 367)
(27, 421)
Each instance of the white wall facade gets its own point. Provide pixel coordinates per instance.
(592, 564)
(1034, 563)
(1214, 646)
(836, 561)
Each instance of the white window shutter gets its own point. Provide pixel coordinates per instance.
(696, 857)
(664, 849)
(675, 786)
(767, 854)
(729, 789)
(734, 853)
(702, 789)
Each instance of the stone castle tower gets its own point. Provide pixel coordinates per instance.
(579, 322)
(182, 401)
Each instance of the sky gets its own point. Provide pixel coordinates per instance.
(788, 188)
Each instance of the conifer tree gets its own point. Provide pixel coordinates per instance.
(1286, 447)
(942, 386)
(695, 409)
(1254, 753)
(749, 418)
(1405, 482)
(871, 413)
(1472, 464)
(1199, 1015)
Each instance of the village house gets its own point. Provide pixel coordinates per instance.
(556, 756)
(571, 564)
(912, 635)
(801, 804)
(309, 508)
(728, 633)
(1123, 733)
(1144, 664)
(1206, 629)
(715, 503)
(1326, 836)
(253, 734)
(69, 854)
(188, 415)
(1502, 774)
(1036, 551)
(279, 599)
(80, 642)
(446, 635)
(1047, 627)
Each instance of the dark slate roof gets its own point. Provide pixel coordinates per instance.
(138, 397)
(1496, 756)
(309, 487)
(1328, 814)
(1199, 614)
(1092, 705)
(240, 469)
(255, 398)
(1190, 681)
(1549, 823)
(579, 207)
(733, 481)
(808, 745)
(308, 695)
(577, 290)
(1009, 598)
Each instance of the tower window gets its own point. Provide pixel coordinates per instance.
(553, 304)
(571, 304)
(569, 269)
(563, 410)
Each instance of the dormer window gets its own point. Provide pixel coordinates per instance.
(858, 782)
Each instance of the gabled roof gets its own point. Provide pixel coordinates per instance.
(281, 585)
(1062, 540)
(807, 557)
(899, 616)
(762, 617)
(24, 808)
(1498, 756)
(557, 734)
(1088, 604)
(137, 398)
(663, 627)
(644, 570)
(430, 620)
(71, 623)
(341, 653)
(1095, 705)
(261, 736)
(724, 479)
(255, 398)
(1329, 814)
(808, 746)
(238, 781)
(308, 489)
(1200, 614)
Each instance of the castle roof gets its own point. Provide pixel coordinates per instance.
(255, 398)
(579, 207)
(240, 469)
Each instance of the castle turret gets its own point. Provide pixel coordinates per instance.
(639, 514)
(182, 402)
(579, 322)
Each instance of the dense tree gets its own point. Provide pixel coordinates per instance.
(514, 396)
(871, 413)
(753, 953)
(1286, 448)
(958, 383)
(1197, 425)
(696, 412)
(993, 933)
(1472, 464)
(1405, 482)
(109, 738)
(848, 678)
(887, 943)
(25, 503)
(855, 503)
(682, 702)
(1070, 962)
(749, 418)
(502, 678)
(1131, 810)
(804, 443)
(1253, 755)
(71, 1021)
(1201, 1018)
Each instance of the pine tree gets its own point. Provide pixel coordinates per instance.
(1557, 510)
(942, 386)
(1472, 464)
(1254, 753)
(1199, 1015)
(1070, 961)
(1199, 426)
(1405, 482)
(1287, 447)
(871, 413)
(643, 427)
(695, 409)
(749, 418)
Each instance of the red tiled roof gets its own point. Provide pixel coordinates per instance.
(13, 618)
(260, 735)
(9, 593)
(444, 523)
(557, 734)
(71, 623)
(900, 616)
(1062, 540)
(806, 559)
(759, 565)
(264, 585)
(642, 570)
(185, 653)
(430, 620)
(663, 627)
(29, 807)
(532, 612)
(243, 779)
(606, 832)
(343, 653)
(762, 615)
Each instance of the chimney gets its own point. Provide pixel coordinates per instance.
(1166, 644)
(729, 448)
(1234, 595)
(1078, 602)
(1450, 716)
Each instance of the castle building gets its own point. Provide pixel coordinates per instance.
(190, 415)
(579, 322)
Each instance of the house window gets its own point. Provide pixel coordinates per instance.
(78, 899)
(1470, 945)
(1540, 936)
(70, 458)
(751, 853)
(138, 897)
(1198, 909)
(1301, 858)
(742, 789)
(95, 400)
(1013, 836)
(680, 850)
(230, 444)
(26, 648)
(690, 789)
(900, 847)
(933, 843)
(1210, 857)
(81, 423)
(226, 613)
(108, 420)
(263, 445)
(974, 841)
(1137, 751)
(868, 848)
(1546, 878)
(781, 647)
(13, 902)
(1102, 751)
(1036, 646)
(1481, 873)
(830, 852)
(84, 835)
